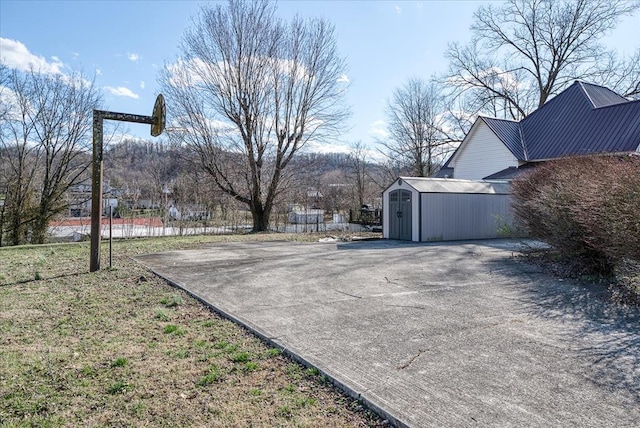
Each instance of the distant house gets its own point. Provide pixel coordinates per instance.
(584, 119)
(308, 216)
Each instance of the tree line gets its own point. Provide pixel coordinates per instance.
(250, 92)
(163, 173)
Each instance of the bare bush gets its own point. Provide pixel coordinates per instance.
(586, 207)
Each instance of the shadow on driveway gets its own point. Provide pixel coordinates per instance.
(447, 334)
(606, 335)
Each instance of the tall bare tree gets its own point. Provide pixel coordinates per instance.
(18, 159)
(250, 91)
(525, 51)
(417, 127)
(43, 140)
(358, 171)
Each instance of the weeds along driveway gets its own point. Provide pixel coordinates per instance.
(457, 334)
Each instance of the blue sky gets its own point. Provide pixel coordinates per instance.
(125, 43)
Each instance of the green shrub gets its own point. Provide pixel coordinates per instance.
(585, 207)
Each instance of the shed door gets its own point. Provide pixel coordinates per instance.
(400, 215)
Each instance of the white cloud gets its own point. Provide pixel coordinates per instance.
(343, 78)
(186, 73)
(398, 10)
(192, 72)
(142, 85)
(133, 56)
(98, 72)
(14, 54)
(120, 137)
(378, 129)
(375, 155)
(220, 126)
(316, 147)
(121, 91)
(10, 103)
(184, 123)
(325, 148)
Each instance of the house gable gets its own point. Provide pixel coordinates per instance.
(481, 154)
(584, 119)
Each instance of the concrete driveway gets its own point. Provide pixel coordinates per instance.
(430, 335)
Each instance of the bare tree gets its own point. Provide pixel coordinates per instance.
(418, 127)
(358, 171)
(250, 91)
(623, 75)
(525, 51)
(335, 188)
(43, 139)
(18, 159)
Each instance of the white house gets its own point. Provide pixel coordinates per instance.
(473, 201)
(584, 119)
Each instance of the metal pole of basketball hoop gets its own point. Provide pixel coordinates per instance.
(157, 122)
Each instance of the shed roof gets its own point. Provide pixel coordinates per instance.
(446, 185)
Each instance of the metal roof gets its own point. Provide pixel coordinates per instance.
(570, 125)
(511, 172)
(601, 96)
(509, 133)
(446, 185)
(583, 119)
(444, 172)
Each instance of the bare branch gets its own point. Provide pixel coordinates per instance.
(543, 46)
(45, 130)
(251, 91)
(418, 129)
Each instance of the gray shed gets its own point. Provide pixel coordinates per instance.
(441, 209)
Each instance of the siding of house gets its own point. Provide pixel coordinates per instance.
(453, 216)
(483, 155)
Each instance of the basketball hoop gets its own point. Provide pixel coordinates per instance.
(159, 116)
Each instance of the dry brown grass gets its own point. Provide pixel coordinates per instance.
(122, 348)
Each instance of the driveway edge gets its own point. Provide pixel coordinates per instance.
(350, 392)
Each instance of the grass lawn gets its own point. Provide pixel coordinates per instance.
(122, 348)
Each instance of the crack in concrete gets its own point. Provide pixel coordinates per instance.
(408, 363)
(407, 306)
(347, 294)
